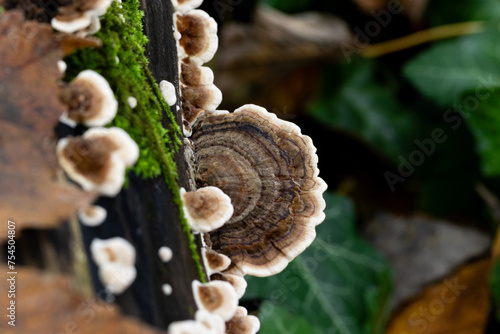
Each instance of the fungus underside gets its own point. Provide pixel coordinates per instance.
(121, 60)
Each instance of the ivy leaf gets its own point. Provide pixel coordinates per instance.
(355, 102)
(447, 69)
(339, 284)
(484, 123)
(278, 320)
(438, 12)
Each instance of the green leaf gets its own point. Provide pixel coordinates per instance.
(356, 102)
(289, 6)
(339, 284)
(484, 123)
(453, 11)
(447, 69)
(277, 320)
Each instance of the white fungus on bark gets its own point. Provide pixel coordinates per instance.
(92, 215)
(115, 259)
(216, 297)
(168, 91)
(167, 289)
(206, 209)
(165, 253)
(132, 102)
(97, 160)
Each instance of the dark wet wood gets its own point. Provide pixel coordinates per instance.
(145, 213)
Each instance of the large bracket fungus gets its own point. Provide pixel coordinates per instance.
(269, 170)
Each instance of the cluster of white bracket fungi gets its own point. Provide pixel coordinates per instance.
(259, 196)
(98, 159)
(81, 16)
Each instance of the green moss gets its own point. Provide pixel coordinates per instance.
(121, 60)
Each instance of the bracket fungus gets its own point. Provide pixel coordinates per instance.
(269, 170)
(89, 99)
(79, 15)
(242, 323)
(168, 91)
(212, 322)
(186, 327)
(214, 262)
(199, 39)
(167, 289)
(115, 259)
(216, 297)
(194, 75)
(98, 159)
(183, 6)
(92, 215)
(206, 209)
(238, 282)
(165, 254)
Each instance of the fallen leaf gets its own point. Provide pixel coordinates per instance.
(45, 303)
(459, 305)
(422, 250)
(29, 110)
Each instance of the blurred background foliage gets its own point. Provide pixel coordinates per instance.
(411, 132)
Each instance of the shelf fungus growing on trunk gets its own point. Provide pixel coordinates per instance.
(183, 6)
(92, 215)
(89, 100)
(80, 15)
(216, 297)
(206, 209)
(242, 323)
(198, 36)
(269, 170)
(115, 259)
(98, 159)
(214, 262)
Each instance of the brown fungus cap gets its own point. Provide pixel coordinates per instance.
(92, 215)
(238, 282)
(206, 209)
(79, 15)
(214, 262)
(98, 159)
(216, 297)
(203, 97)
(269, 170)
(89, 100)
(243, 324)
(199, 39)
(194, 75)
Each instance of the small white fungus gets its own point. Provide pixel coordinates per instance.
(167, 289)
(168, 92)
(165, 254)
(132, 102)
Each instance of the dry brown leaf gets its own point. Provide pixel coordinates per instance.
(29, 111)
(45, 303)
(459, 305)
